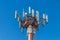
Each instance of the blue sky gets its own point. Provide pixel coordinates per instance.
(9, 28)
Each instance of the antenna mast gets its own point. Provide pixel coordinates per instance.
(30, 22)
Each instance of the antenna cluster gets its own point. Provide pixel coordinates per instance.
(31, 19)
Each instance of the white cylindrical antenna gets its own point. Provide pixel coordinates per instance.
(43, 19)
(18, 19)
(32, 12)
(43, 16)
(46, 18)
(23, 13)
(37, 16)
(16, 13)
(29, 10)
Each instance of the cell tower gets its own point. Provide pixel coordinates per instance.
(30, 21)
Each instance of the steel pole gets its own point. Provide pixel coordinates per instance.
(30, 32)
(30, 36)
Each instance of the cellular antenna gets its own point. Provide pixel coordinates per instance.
(31, 22)
(37, 16)
(16, 14)
(29, 10)
(46, 18)
(32, 12)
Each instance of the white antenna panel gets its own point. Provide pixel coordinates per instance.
(43, 16)
(47, 18)
(37, 16)
(32, 12)
(16, 14)
(29, 10)
(18, 19)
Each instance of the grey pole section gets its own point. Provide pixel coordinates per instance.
(30, 32)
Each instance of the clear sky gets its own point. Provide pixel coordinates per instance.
(9, 28)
